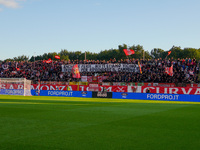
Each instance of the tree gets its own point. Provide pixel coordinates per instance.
(64, 55)
(118, 54)
(21, 58)
(121, 51)
(138, 51)
(157, 53)
(191, 53)
(176, 52)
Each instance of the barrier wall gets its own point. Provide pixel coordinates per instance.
(120, 95)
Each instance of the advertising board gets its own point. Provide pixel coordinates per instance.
(11, 91)
(120, 95)
(101, 94)
(62, 93)
(157, 96)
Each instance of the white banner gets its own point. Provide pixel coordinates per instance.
(102, 68)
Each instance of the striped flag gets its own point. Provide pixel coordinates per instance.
(169, 70)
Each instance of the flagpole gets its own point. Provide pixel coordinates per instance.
(169, 52)
(34, 59)
(143, 55)
(166, 56)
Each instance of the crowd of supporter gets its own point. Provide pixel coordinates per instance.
(153, 70)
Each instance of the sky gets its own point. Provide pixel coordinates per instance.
(35, 27)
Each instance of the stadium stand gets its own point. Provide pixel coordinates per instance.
(153, 70)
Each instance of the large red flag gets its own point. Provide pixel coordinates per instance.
(57, 57)
(75, 72)
(169, 70)
(49, 61)
(129, 52)
(169, 53)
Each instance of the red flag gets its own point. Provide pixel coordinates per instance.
(169, 53)
(129, 52)
(169, 70)
(57, 57)
(75, 72)
(49, 61)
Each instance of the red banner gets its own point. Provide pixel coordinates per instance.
(11, 86)
(81, 87)
(171, 90)
(138, 89)
(93, 78)
(193, 85)
(114, 88)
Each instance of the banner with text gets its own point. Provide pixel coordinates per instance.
(171, 90)
(102, 68)
(109, 88)
(157, 96)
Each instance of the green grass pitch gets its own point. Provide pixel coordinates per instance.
(56, 123)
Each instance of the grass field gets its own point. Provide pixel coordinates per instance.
(34, 123)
